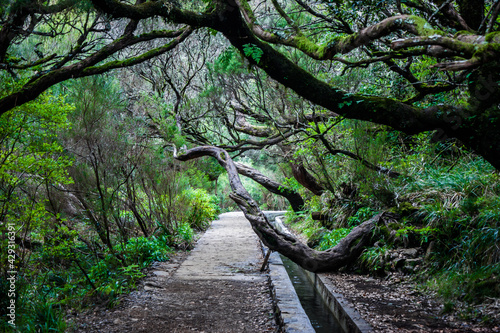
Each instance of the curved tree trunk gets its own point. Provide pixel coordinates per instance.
(306, 179)
(315, 261)
(292, 196)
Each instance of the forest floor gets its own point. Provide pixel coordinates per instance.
(218, 287)
(394, 304)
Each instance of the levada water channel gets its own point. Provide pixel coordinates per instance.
(322, 319)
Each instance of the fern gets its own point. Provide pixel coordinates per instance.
(253, 51)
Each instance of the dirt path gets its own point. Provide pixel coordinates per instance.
(217, 288)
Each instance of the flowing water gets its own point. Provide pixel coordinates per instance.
(319, 314)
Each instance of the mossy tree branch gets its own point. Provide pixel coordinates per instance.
(449, 120)
(89, 65)
(293, 197)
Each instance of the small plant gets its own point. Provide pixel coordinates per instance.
(333, 238)
(361, 215)
(422, 235)
(253, 51)
(184, 235)
(143, 251)
(372, 259)
(47, 318)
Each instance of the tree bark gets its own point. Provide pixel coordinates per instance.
(292, 196)
(472, 11)
(342, 254)
(466, 123)
(306, 179)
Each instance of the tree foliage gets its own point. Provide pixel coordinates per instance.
(402, 37)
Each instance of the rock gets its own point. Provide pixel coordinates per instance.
(414, 262)
(410, 253)
(408, 269)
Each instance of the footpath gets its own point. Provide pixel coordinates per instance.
(217, 288)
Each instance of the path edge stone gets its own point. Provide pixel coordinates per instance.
(289, 313)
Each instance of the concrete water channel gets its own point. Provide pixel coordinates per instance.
(318, 312)
(306, 301)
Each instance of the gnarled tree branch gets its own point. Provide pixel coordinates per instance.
(294, 198)
(342, 254)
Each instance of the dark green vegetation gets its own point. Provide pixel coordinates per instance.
(93, 199)
(348, 109)
(444, 230)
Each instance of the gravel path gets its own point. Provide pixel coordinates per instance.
(217, 288)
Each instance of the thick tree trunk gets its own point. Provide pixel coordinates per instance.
(472, 11)
(316, 261)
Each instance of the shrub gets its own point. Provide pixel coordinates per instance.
(372, 259)
(47, 318)
(202, 208)
(143, 251)
(361, 216)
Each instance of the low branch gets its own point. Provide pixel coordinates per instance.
(292, 196)
(369, 165)
(89, 66)
(307, 180)
(342, 254)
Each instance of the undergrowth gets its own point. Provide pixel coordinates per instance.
(449, 210)
(71, 275)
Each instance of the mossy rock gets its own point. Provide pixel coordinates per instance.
(404, 209)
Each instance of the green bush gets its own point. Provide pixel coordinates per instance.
(201, 207)
(143, 251)
(372, 259)
(473, 286)
(184, 233)
(47, 318)
(363, 214)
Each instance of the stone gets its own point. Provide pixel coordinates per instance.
(410, 253)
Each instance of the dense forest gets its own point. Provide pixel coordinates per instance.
(127, 126)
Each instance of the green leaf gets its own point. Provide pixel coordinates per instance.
(253, 51)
